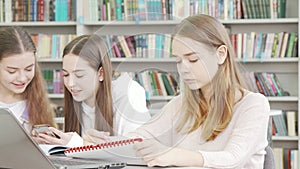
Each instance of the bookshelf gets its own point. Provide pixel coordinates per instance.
(287, 69)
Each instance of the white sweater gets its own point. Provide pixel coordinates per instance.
(240, 145)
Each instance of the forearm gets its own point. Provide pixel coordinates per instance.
(156, 154)
(187, 158)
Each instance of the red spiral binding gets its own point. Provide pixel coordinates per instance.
(103, 145)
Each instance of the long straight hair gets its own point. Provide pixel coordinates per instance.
(15, 40)
(93, 49)
(214, 113)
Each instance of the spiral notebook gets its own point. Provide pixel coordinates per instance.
(120, 150)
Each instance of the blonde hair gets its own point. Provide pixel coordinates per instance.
(214, 113)
(93, 49)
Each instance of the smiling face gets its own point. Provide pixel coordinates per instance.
(16, 72)
(80, 79)
(197, 63)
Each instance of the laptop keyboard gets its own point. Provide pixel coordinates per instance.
(71, 162)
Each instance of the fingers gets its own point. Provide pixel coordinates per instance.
(87, 140)
(40, 140)
(144, 149)
(96, 137)
(34, 133)
(56, 132)
(155, 162)
(142, 145)
(152, 162)
(97, 134)
(46, 139)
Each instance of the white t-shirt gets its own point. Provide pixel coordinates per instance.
(240, 145)
(17, 110)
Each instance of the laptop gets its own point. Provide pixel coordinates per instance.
(18, 150)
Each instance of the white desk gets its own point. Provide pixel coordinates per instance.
(135, 167)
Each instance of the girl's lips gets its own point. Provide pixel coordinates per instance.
(75, 92)
(19, 85)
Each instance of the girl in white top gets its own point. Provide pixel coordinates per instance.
(93, 103)
(214, 122)
(22, 88)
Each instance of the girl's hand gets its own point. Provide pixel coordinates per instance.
(156, 154)
(152, 152)
(93, 136)
(61, 138)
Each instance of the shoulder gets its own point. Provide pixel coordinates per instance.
(254, 102)
(120, 85)
(254, 98)
(123, 78)
(125, 85)
(127, 93)
(174, 105)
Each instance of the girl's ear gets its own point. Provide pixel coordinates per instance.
(221, 54)
(100, 74)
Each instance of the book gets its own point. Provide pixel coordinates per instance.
(53, 149)
(290, 44)
(279, 120)
(118, 150)
(291, 118)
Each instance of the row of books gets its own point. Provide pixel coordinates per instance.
(284, 123)
(51, 46)
(157, 83)
(246, 45)
(37, 10)
(286, 158)
(265, 45)
(139, 46)
(53, 80)
(119, 10)
(130, 10)
(253, 9)
(239, 9)
(107, 10)
(265, 83)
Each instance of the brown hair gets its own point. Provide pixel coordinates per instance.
(15, 40)
(214, 113)
(93, 49)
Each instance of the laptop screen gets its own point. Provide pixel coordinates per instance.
(16, 147)
(18, 150)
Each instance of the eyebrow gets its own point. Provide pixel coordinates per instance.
(187, 54)
(10, 67)
(78, 70)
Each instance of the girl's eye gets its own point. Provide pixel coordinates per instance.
(29, 69)
(65, 75)
(11, 71)
(193, 60)
(79, 75)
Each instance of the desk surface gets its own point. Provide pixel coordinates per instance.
(135, 167)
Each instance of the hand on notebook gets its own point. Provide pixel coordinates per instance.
(151, 149)
(63, 139)
(156, 154)
(93, 136)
